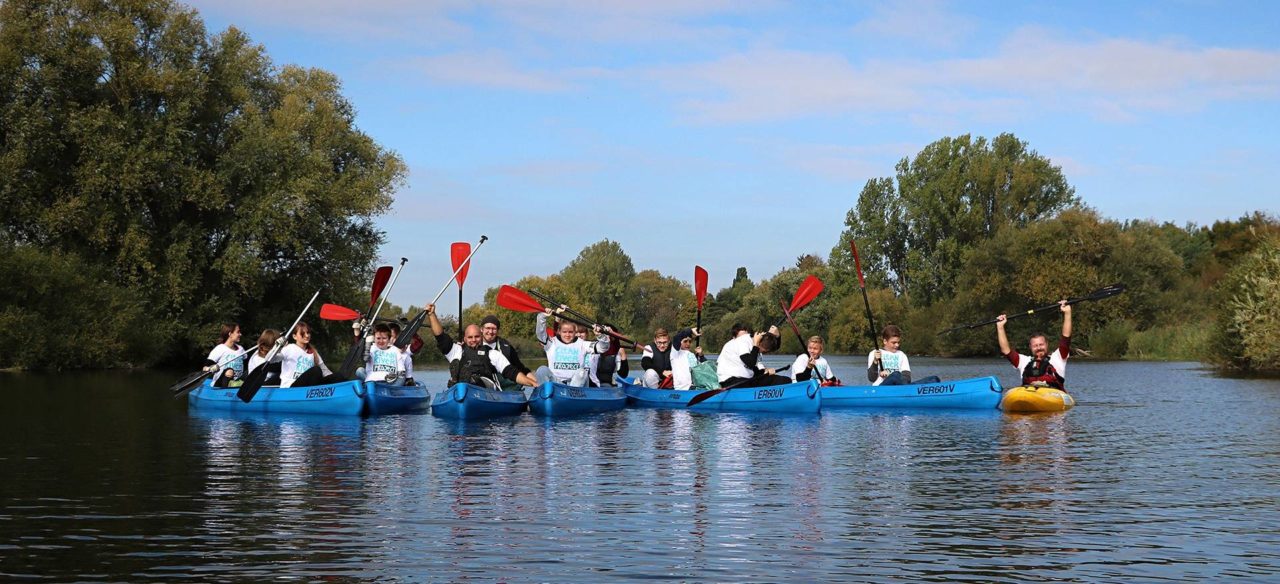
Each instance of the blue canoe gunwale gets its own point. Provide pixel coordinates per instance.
(802, 397)
(344, 399)
(381, 399)
(463, 401)
(557, 400)
(972, 393)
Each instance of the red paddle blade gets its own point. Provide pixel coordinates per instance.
(699, 284)
(459, 252)
(808, 290)
(335, 312)
(380, 278)
(857, 262)
(515, 299)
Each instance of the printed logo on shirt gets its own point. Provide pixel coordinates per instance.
(891, 361)
(384, 361)
(305, 362)
(567, 358)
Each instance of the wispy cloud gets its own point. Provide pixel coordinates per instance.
(486, 69)
(928, 22)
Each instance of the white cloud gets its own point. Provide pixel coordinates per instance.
(927, 22)
(486, 69)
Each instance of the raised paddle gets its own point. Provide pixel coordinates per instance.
(337, 312)
(808, 290)
(356, 354)
(253, 381)
(406, 335)
(700, 293)
(871, 323)
(803, 345)
(513, 298)
(554, 302)
(1099, 294)
(460, 254)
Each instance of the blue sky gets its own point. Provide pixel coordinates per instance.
(693, 131)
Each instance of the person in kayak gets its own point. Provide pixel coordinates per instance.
(604, 365)
(385, 361)
(739, 362)
(301, 364)
(490, 326)
(227, 357)
(685, 358)
(656, 361)
(406, 354)
(472, 361)
(811, 364)
(266, 340)
(1041, 367)
(889, 365)
(568, 356)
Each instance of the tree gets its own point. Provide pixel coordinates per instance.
(1249, 317)
(200, 176)
(915, 229)
(599, 278)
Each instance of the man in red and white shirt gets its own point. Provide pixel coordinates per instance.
(1040, 367)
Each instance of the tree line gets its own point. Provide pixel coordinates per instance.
(158, 179)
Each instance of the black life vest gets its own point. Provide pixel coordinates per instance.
(473, 365)
(1042, 371)
(661, 359)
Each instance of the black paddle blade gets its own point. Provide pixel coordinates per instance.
(704, 396)
(189, 383)
(406, 335)
(349, 365)
(252, 383)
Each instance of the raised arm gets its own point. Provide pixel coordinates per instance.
(1066, 318)
(1004, 339)
(540, 327)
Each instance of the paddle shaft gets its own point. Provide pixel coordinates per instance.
(455, 273)
(1099, 294)
(866, 302)
(552, 301)
(253, 381)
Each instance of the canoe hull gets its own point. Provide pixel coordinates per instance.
(1025, 400)
(975, 393)
(464, 401)
(556, 400)
(381, 399)
(794, 398)
(342, 399)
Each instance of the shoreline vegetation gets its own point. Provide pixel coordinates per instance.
(159, 180)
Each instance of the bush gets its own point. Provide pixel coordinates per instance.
(1112, 340)
(1183, 342)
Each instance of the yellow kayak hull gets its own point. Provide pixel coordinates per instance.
(1026, 399)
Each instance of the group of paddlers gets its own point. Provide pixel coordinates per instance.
(485, 358)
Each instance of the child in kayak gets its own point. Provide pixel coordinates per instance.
(888, 365)
(385, 361)
(266, 340)
(811, 364)
(738, 364)
(227, 356)
(568, 356)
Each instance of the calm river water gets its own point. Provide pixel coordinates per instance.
(1162, 472)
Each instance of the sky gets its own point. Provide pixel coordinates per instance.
(727, 133)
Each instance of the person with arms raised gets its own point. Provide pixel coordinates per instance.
(568, 356)
(684, 358)
(472, 361)
(1040, 368)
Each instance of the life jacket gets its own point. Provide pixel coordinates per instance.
(1041, 371)
(606, 365)
(473, 365)
(661, 359)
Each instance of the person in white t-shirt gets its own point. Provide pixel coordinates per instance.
(889, 365)
(384, 361)
(684, 357)
(300, 362)
(738, 364)
(568, 355)
(226, 358)
(258, 358)
(811, 364)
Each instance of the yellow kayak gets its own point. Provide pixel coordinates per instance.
(1026, 399)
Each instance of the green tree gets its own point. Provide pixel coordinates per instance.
(1249, 317)
(660, 302)
(200, 176)
(916, 228)
(599, 278)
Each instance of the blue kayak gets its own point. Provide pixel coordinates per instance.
(381, 399)
(464, 401)
(803, 397)
(975, 393)
(554, 399)
(345, 398)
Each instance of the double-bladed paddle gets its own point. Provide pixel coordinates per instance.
(253, 381)
(862, 284)
(700, 293)
(513, 298)
(808, 290)
(411, 329)
(1099, 294)
(194, 380)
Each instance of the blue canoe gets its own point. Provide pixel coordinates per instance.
(381, 399)
(975, 393)
(803, 397)
(346, 399)
(554, 399)
(464, 401)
